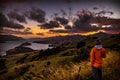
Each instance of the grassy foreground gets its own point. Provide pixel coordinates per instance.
(59, 68)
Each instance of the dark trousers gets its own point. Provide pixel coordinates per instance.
(97, 73)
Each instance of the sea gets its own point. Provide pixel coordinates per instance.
(12, 44)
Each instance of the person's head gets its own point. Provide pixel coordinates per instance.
(97, 42)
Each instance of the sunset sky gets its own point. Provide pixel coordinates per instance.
(46, 18)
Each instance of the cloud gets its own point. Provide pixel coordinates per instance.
(112, 29)
(115, 26)
(84, 20)
(68, 27)
(60, 31)
(3, 20)
(86, 27)
(14, 25)
(95, 8)
(105, 21)
(83, 23)
(63, 21)
(14, 15)
(77, 30)
(55, 23)
(27, 29)
(11, 31)
(103, 12)
(67, 31)
(51, 24)
(40, 34)
(36, 15)
(10, 24)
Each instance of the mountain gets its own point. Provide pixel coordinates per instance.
(101, 35)
(61, 40)
(4, 38)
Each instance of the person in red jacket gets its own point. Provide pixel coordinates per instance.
(96, 55)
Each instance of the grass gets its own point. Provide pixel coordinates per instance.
(61, 68)
(111, 66)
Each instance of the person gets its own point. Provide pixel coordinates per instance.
(96, 55)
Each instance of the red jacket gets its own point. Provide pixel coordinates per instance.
(96, 56)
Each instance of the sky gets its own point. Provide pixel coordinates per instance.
(47, 18)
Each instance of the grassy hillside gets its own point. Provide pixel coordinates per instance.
(60, 67)
(61, 63)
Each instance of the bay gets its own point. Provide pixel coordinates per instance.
(12, 44)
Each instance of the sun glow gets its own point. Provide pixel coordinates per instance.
(94, 24)
(106, 26)
(70, 24)
(93, 32)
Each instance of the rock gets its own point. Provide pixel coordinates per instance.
(18, 50)
(25, 44)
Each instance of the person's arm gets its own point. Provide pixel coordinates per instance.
(103, 53)
(92, 57)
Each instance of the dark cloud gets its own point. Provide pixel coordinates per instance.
(60, 31)
(14, 15)
(25, 32)
(105, 21)
(84, 20)
(84, 14)
(95, 8)
(71, 31)
(11, 24)
(51, 24)
(83, 23)
(63, 21)
(112, 29)
(27, 29)
(68, 27)
(81, 29)
(115, 25)
(3, 20)
(88, 17)
(86, 27)
(36, 15)
(103, 12)
(40, 34)
(5, 23)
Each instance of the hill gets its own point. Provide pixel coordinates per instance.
(60, 63)
(57, 39)
(101, 35)
(9, 38)
(61, 40)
